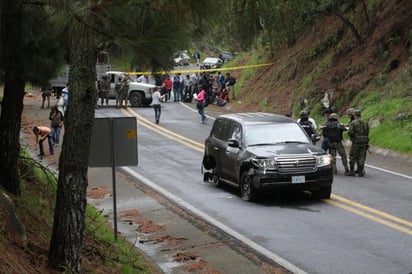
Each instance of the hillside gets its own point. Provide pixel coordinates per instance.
(326, 58)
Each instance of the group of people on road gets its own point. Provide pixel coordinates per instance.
(205, 88)
(332, 132)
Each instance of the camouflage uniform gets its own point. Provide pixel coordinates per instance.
(333, 132)
(123, 91)
(350, 112)
(359, 135)
(117, 88)
(105, 91)
(46, 93)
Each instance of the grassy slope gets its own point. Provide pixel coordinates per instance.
(26, 229)
(325, 58)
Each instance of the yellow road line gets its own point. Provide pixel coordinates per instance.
(372, 210)
(370, 217)
(375, 215)
(167, 133)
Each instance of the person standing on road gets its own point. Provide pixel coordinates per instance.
(230, 85)
(105, 91)
(333, 133)
(65, 95)
(306, 123)
(56, 118)
(41, 134)
(169, 85)
(156, 103)
(46, 93)
(359, 135)
(99, 93)
(176, 87)
(327, 112)
(117, 87)
(197, 57)
(123, 91)
(201, 99)
(187, 82)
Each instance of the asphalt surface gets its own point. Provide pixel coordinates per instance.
(172, 238)
(175, 240)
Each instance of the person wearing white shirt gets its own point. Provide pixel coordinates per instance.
(156, 103)
(65, 95)
(143, 79)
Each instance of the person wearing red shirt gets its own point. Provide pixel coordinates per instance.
(168, 84)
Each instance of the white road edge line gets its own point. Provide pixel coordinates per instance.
(276, 258)
(390, 172)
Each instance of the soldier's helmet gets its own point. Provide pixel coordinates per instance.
(304, 113)
(350, 111)
(333, 116)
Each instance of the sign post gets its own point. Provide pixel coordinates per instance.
(114, 143)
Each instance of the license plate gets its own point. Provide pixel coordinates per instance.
(298, 179)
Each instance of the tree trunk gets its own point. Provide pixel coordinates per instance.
(12, 104)
(69, 214)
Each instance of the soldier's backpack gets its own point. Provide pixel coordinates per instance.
(333, 132)
(362, 139)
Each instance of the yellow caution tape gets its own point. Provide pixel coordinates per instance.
(198, 70)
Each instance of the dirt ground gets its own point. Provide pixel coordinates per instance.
(24, 247)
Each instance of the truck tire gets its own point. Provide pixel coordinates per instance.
(136, 99)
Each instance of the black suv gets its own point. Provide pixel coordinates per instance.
(259, 152)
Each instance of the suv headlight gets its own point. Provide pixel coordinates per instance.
(324, 160)
(264, 163)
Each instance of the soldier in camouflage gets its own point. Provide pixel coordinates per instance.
(333, 131)
(123, 92)
(359, 135)
(350, 112)
(105, 85)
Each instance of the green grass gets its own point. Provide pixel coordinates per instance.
(119, 254)
(38, 191)
(394, 136)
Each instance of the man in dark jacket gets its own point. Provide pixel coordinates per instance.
(333, 131)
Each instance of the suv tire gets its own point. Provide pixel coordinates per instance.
(247, 191)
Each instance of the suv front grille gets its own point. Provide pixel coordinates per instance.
(296, 164)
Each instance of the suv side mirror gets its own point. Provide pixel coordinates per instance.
(233, 143)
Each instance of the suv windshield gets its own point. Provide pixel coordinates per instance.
(259, 134)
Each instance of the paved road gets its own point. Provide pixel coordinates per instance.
(365, 228)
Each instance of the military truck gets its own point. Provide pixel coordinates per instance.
(139, 93)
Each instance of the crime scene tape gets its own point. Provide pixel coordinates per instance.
(198, 70)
